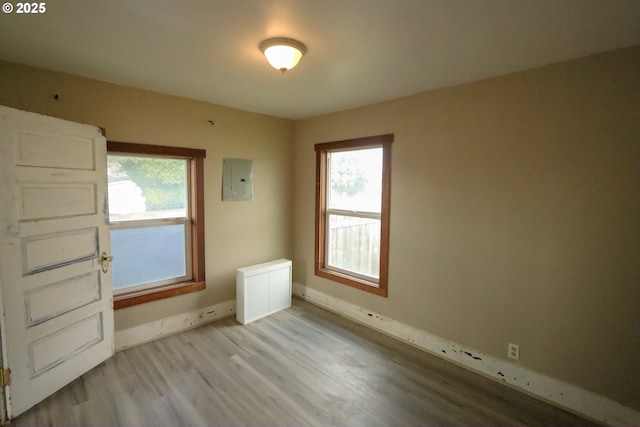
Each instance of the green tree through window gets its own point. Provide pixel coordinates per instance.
(162, 180)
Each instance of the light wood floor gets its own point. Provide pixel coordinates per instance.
(300, 367)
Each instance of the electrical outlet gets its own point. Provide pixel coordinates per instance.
(514, 351)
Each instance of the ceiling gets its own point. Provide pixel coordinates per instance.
(358, 51)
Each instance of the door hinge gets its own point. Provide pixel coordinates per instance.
(5, 377)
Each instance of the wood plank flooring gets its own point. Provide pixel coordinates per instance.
(300, 367)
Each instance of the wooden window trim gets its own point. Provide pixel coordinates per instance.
(384, 141)
(196, 199)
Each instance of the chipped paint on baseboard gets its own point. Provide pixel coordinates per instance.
(151, 331)
(559, 393)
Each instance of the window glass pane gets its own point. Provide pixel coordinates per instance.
(355, 180)
(354, 245)
(146, 187)
(147, 254)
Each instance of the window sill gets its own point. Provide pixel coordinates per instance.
(147, 295)
(354, 282)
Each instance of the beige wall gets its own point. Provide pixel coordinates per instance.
(514, 216)
(237, 233)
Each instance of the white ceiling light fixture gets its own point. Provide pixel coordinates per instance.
(282, 53)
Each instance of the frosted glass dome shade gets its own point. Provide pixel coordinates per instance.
(283, 54)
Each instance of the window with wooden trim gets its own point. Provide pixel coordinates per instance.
(156, 216)
(353, 189)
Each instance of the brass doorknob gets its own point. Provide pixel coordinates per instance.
(105, 260)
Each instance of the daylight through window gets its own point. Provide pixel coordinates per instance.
(352, 220)
(149, 216)
(153, 211)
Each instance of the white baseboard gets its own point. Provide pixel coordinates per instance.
(147, 332)
(558, 392)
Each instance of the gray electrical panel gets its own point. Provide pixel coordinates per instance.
(237, 179)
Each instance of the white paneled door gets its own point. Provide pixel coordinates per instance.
(56, 296)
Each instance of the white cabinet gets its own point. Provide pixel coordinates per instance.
(262, 289)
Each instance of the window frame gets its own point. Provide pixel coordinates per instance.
(195, 236)
(321, 228)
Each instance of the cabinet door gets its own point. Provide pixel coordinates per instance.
(279, 289)
(256, 297)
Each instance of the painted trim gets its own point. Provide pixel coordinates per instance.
(147, 332)
(554, 391)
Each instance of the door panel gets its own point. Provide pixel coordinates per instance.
(60, 346)
(279, 289)
(42, 303)
(57, 300)
(54, 151)
(49, 201)
(70, 247)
